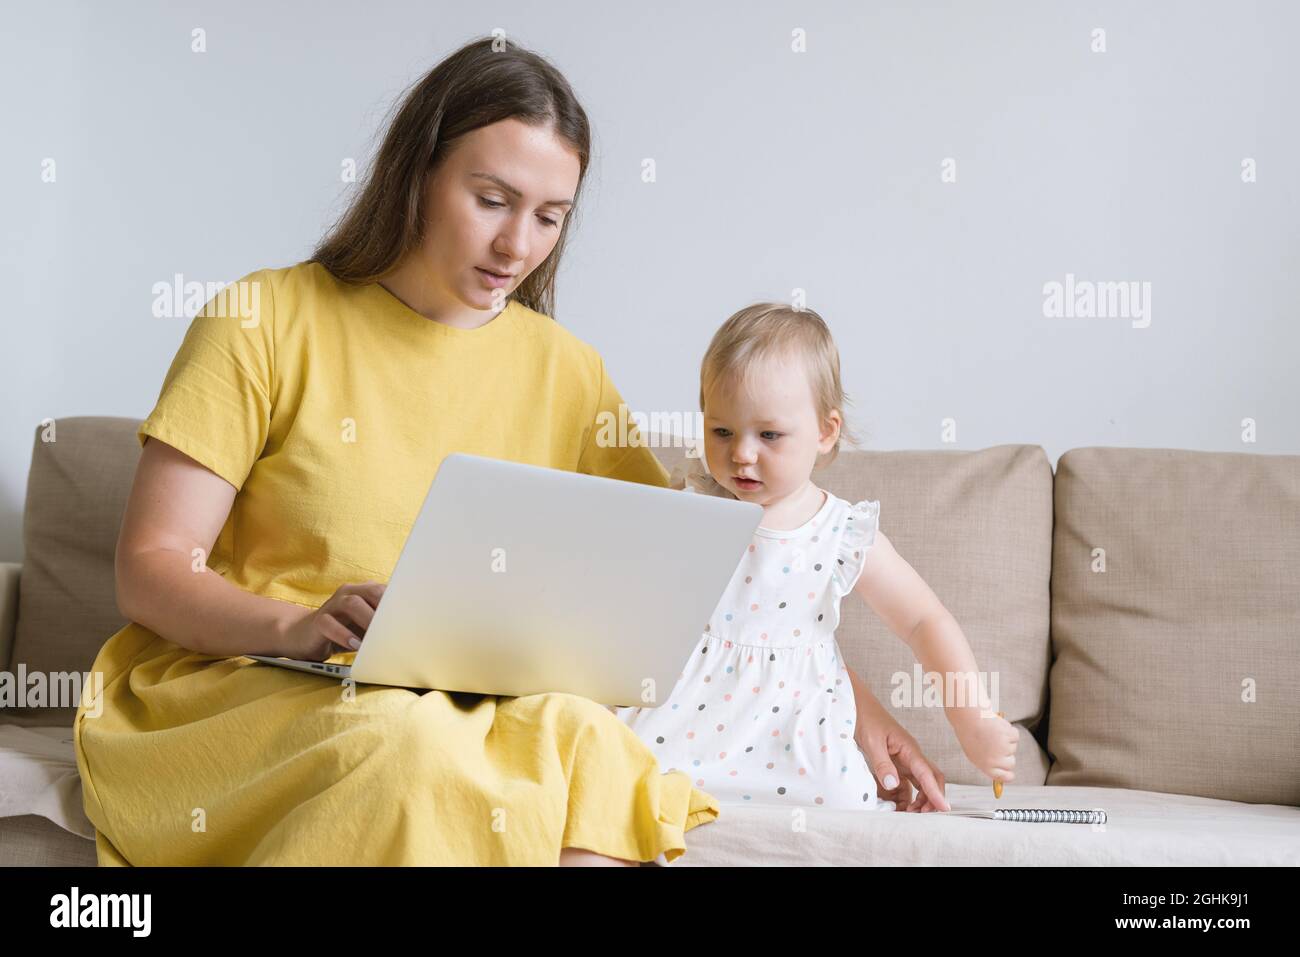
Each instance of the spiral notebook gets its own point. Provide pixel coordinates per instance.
(1055, 815)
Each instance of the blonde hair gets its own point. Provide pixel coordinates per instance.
(775, 330)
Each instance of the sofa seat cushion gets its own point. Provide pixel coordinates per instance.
(38, 775)
(1143, 828)
(42, 822)
(35, 841)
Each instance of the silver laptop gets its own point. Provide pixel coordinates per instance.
(518, 579)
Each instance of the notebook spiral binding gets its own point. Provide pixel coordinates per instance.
(1054, 816)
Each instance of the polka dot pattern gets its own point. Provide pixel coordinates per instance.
(739, 717)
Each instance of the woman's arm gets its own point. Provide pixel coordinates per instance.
(890, 751)
(177, 506)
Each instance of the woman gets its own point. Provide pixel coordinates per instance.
(295, 436)
(289, 453)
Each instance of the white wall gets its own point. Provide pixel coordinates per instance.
(776, 170)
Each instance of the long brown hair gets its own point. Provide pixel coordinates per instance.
(483, 82)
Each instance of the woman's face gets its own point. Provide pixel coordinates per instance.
(496, 203)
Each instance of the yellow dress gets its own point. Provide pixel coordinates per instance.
(329, 408)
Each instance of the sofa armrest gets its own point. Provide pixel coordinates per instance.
(9, 575)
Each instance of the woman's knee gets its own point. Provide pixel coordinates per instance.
(582, 710)
(579, 857)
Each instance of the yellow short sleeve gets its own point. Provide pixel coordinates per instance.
(216, 399)
(605, 455)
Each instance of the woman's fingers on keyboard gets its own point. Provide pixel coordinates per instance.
(336, 632)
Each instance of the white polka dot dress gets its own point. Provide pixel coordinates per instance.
(764, 712)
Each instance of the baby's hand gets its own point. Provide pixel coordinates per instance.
(989, 742)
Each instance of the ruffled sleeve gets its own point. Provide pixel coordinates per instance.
(856, 538)
(692, 475)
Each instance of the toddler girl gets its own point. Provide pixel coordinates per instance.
(764, 711)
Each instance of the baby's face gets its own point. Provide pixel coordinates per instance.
(767, 430)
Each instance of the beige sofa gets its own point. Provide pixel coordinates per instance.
(1146, 601)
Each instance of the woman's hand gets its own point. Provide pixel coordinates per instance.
(335, 625)
(892, 753)
(989, 742)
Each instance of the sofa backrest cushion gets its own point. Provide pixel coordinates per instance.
(1176, 623)
(977, 526)
(81, 474)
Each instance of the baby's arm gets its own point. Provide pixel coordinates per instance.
(900, 597)
(911, 610)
